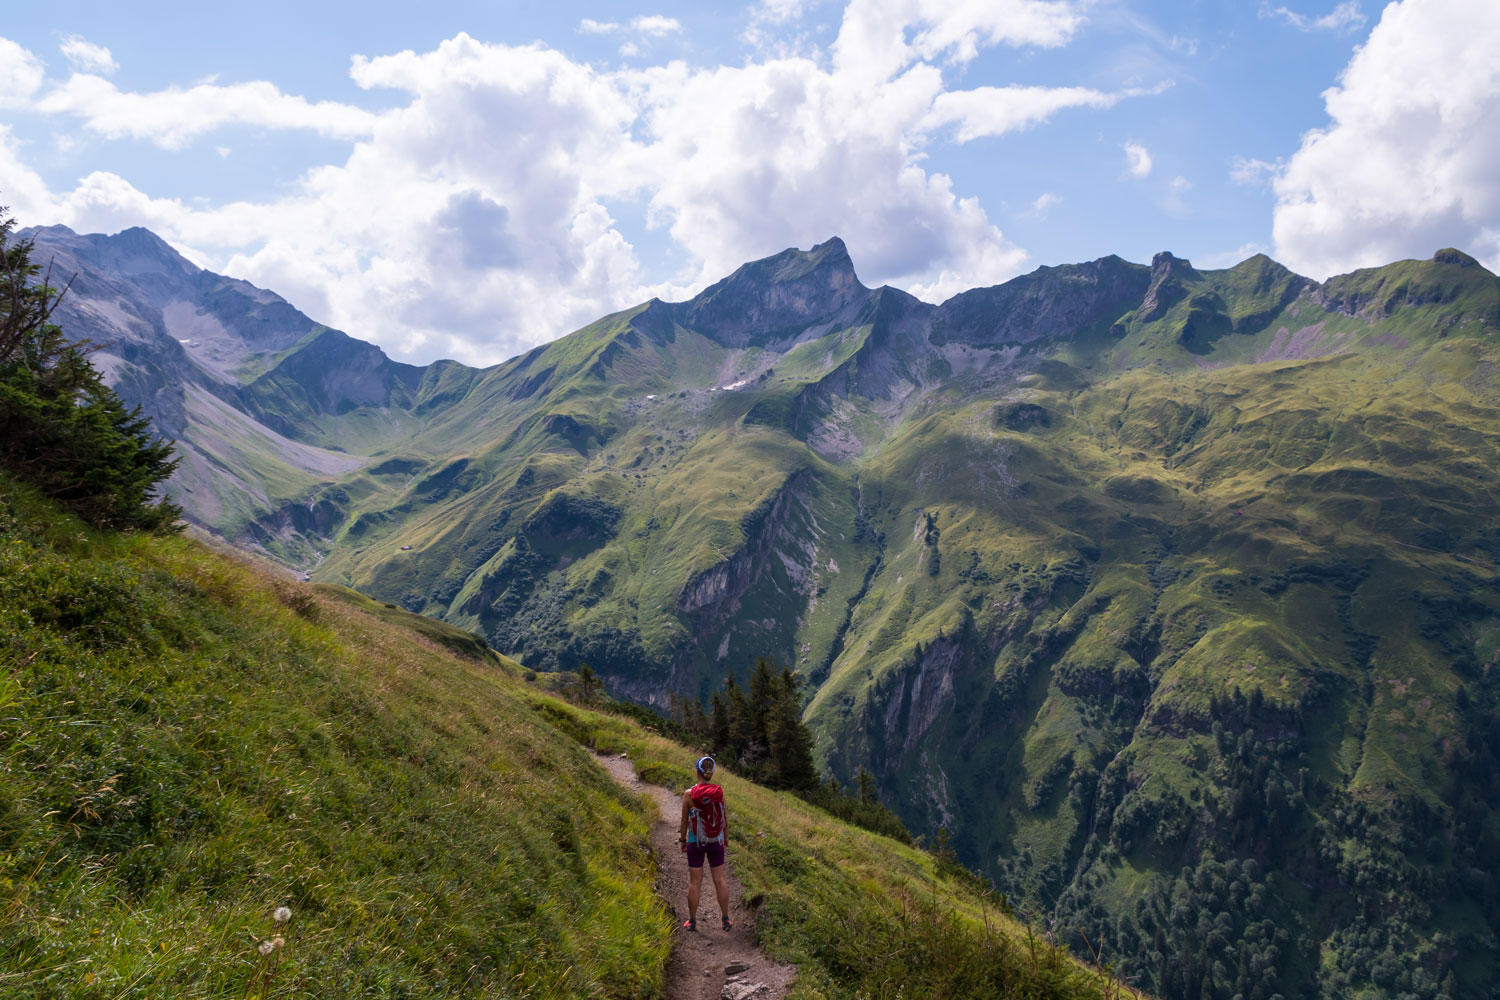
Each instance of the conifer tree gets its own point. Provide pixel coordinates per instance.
(741, 720)
(589, 684)
(718, 724)
(788, 739)
(763, 696)
(947, 857)
(694, 721)
(61, 428)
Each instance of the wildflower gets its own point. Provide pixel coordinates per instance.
(265, 947)
(277, 942)
(282, 914)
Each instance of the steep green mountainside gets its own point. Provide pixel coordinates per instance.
(188, 746)
(1170, 593)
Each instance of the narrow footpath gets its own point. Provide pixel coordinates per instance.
(707, 964)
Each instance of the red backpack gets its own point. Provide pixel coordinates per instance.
(707, 814)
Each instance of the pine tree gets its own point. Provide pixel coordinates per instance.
(789, 741)
(26, 305)
(741, 722)
(718, 724)
(589, 684)
(864, 783)
(947, 857)
(763, 696)
(696, 722)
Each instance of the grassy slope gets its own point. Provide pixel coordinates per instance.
(183, 753)
(187, 745)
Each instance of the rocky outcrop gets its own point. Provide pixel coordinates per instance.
(1166, 288)
(924, 692)
(770, 301)
(1049, 302)
(716, 591)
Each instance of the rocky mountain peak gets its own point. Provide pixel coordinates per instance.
(771, 299)
(137, 251)
(1449, 255)
(1167, 275)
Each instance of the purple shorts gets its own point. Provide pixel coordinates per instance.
(713, 852)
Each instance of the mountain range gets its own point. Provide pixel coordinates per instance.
(1169, 594)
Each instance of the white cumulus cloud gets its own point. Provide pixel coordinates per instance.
(1406, 164)
(86, 57)
(21, 74)
(22, 189)
(1137, 160)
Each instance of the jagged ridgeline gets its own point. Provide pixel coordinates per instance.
(1169, 593)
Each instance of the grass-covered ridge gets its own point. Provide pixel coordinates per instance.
(188, 746)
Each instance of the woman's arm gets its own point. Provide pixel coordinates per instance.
(682, 830)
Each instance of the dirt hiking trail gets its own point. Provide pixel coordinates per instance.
(707, 964)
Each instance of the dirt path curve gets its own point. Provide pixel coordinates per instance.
(707, 964)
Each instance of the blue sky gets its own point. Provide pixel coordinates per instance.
(469, 179)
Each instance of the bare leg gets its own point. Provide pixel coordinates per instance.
(721, 889)
(695, 883)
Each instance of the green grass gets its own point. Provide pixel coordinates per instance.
(183, 752)
(441, 633)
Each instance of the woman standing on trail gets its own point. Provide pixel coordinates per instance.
(703, 835)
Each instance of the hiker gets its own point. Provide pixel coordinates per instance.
(703, 835)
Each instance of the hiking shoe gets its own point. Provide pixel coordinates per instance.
(690, 924)
(727, 922)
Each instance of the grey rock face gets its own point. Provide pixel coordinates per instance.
(770, 301)
(1048, 302)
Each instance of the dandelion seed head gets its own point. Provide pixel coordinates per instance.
(282, 914)
(277, 942)
(265, 947)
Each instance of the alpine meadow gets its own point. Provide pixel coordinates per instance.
(1162, 598)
